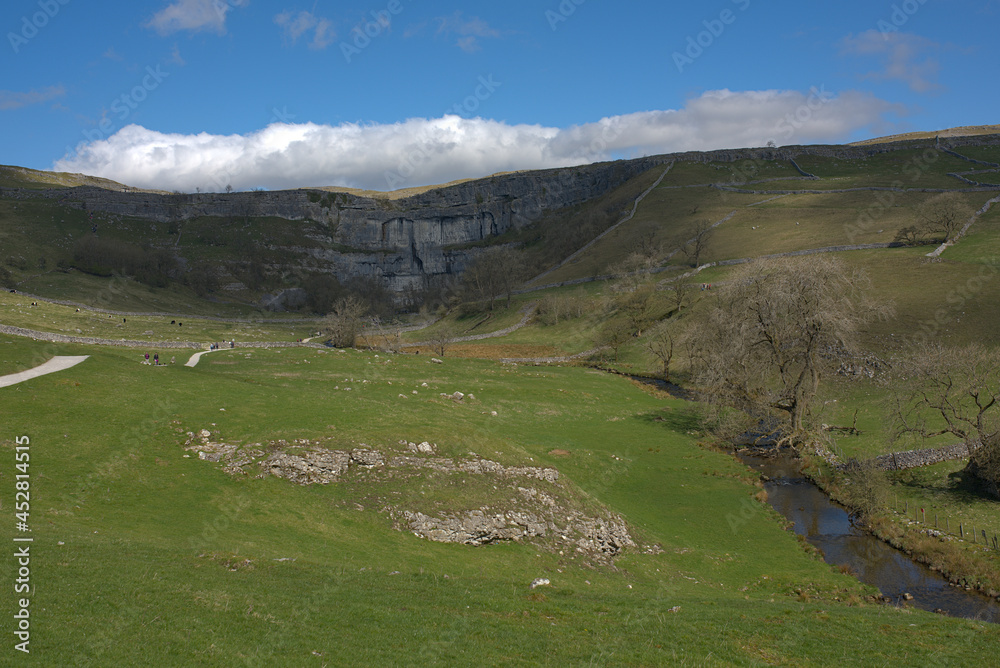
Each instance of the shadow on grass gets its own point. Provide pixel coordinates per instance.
(961, 485)
(683, 420)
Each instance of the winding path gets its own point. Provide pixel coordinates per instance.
(197, 357)
(58, 363)
(628, 217)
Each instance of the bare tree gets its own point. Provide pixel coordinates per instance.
(694, 249)
(631, 272)
(389, 338)
(765, 344)
(662, 341)
(494, 273)
(867, 490)
(940, 390)
(680, 292)
(614, 334)
(343, 324)
(442, 337)
(944, 215)
(636, 306)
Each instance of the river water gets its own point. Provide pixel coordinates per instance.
(828, 526)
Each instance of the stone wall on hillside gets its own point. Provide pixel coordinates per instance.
(911, 459)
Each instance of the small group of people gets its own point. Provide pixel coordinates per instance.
(217, 346)
(156, 359)
(706, 286)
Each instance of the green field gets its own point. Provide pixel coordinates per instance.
(134, 540)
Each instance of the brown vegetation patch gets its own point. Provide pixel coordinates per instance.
(559, 452)
(491, 351)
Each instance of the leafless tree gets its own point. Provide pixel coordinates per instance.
(694, 249)
(442, 337)
(497, 271)
(680, 293)
(343, 324)
(765, 344)
(388, 338)
(663, 340)
(631, 272)
(940, 390)
(614, 334)
(944, 215)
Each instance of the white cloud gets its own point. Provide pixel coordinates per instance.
(902, 56)
(422, 151)
(468, 30)
(193, 15)
(295, 25)
(10, 99)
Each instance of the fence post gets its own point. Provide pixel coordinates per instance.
(961, 531)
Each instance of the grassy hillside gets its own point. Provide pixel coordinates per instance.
(22, 177)
(134, 540)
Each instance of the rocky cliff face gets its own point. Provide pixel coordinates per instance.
(400, 240)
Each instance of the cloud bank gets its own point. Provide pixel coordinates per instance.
(421, 151)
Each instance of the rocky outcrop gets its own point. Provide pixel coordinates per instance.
(527, 502)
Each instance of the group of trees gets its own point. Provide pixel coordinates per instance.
(104, 257)
(494, 273)
(759, 350)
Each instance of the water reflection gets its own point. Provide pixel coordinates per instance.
(828, 527)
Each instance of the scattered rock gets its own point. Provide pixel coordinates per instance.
(368, 459)
(540, 582)
(435, 360)
(424, 448)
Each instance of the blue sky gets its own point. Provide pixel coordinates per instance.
(190, 94)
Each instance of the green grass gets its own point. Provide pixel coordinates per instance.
(154, 543)
(16, 310)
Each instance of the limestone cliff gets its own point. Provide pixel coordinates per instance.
(400, 240)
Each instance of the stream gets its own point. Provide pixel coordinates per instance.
(828, 526)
